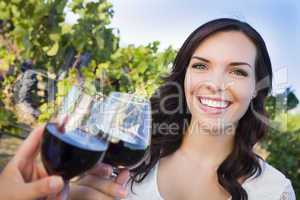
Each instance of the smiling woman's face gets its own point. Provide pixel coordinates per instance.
(220, 79)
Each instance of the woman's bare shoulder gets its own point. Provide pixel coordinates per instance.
(270, 173)
(271, 183)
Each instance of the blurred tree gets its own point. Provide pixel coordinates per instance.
(34, 35)
(283, 141)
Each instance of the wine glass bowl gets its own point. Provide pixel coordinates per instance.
(70, 146)
(128, 126)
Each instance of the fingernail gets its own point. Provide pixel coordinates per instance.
(108, 171)
(122, 192)
(55, 183)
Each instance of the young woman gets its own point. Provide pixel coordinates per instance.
(206, 120)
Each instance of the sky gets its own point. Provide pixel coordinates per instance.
(171, 21)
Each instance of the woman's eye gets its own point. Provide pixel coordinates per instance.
(199, 66)
(240, 73)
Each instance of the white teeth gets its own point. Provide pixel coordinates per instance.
(212, 103)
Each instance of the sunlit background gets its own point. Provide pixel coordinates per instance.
(171, 21)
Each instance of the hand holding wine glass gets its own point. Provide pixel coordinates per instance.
(125, 121)
(98, 183)
(116, 130)
(70, 145)
(25, 179)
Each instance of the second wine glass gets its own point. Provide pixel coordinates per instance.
(127, 124)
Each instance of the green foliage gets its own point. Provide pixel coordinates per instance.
(131, 69)
(283, 142)
(6, 120)
(92, 26)
(293, 122)
(284, 148)
(135, 69)
(34, 23)
(39, 33)
(281, 103)
(63, 86)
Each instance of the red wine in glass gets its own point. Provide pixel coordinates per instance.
(126, 121)
(70, 154)
(70, 146)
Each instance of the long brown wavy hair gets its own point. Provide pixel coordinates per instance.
(242, 161)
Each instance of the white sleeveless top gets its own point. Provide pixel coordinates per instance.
(270, 185)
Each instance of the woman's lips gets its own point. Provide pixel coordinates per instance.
(213, 109)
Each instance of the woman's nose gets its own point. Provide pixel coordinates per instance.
(218, 82)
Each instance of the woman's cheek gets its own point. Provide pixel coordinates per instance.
(194, 80)
(192, 84)
(242, 101)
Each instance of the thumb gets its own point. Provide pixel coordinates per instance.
(43, 187)
(123, 177)
(63, 195)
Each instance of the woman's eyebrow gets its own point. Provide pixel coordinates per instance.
(239, 63)
(200, 58)
(231, 64)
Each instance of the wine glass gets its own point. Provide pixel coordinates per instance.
(70, 144)
(126, 124)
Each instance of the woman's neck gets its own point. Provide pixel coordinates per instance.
(206, 147)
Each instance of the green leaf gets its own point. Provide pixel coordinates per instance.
(54, 37)
(16, 1)
(45, 49)
(53, 50)
(66, 28)
(15, 11)
(4, 14)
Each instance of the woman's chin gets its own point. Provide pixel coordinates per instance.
(215, 127)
